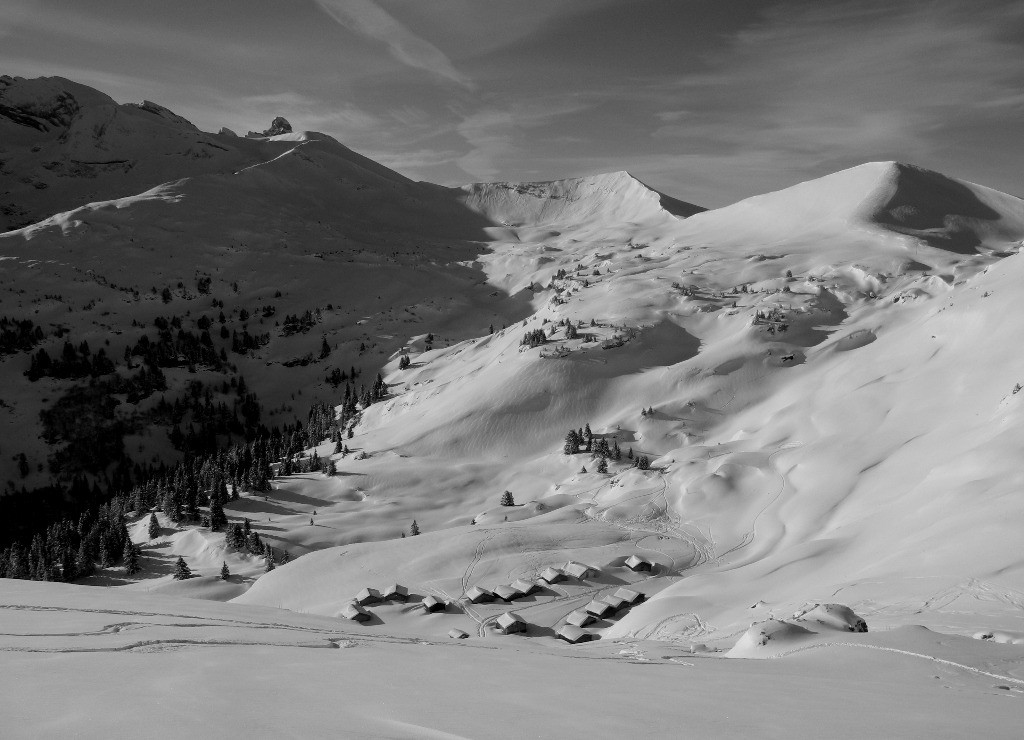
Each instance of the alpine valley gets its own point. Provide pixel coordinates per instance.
(293, 445)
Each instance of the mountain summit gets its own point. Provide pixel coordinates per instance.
(607, 198)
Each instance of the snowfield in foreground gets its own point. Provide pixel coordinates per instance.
(92, 662)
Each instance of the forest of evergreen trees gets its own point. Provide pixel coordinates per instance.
(18, 335)
(62, 530)
(63, 533)
(95, 531)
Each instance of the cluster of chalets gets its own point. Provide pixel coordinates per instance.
(510, 623)
(607, 606)
(572, 631)
(356, 610)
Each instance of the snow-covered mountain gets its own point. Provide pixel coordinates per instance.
(272, 226)
(606, 199)
(63, 144)
(815, 393)
(812, 394)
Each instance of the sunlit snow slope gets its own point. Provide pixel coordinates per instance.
(867, 453)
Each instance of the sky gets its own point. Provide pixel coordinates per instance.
(708, 101)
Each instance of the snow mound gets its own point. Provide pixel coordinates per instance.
(836, 616)
(1001, 636)
(769, 638)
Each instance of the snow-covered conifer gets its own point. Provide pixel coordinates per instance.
(181, 570)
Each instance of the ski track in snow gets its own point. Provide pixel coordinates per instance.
(909, 653)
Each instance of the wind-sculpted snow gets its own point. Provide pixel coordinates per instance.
(946, 213)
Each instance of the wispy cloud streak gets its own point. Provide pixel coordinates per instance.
(369, 19)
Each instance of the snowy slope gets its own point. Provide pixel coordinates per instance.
(164, 666)
(788, 464)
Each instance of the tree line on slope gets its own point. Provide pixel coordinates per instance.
(204, 481)
(584, 440)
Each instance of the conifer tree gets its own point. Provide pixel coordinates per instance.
(506, 499)
(268, 554)
(131, 558)
(572, 443)
(106, 559)
(83, 562)
(236, 537)
(39, 560)
(17, 563)
(181, 570)
(224, 572)
(68, 572)
(414, 529)
(602, 466)
(218, 519)
(263, 474)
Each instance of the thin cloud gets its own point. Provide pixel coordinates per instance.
(369, 19)
(872, 79)
(492, 133)
(15, 15)
(489, 135)
(412, 163)
(811, 89)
